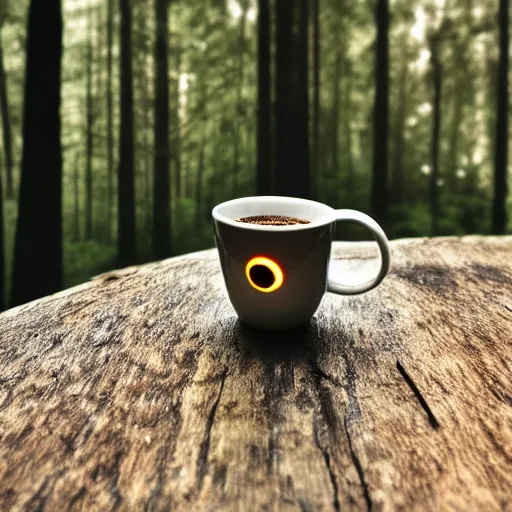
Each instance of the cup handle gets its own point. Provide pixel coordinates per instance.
(382, 241)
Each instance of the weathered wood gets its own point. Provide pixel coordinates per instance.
(140, 391)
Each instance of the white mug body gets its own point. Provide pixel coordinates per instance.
(303, 258)
(301, 251)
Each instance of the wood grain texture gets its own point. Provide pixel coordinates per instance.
(141, 391)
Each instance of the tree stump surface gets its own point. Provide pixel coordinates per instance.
(140, 390)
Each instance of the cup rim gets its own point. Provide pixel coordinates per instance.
(327, 219)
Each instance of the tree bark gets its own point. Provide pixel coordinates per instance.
(140, 390)
(499, 206)
(110, 116)
(89, 132)
(264, 178)
(76, 200)
(315, 167)
(161, 192)
(6, 127)
(292, 105)
(126, 192)
(379, 192)
(436, 127)
(39, 227)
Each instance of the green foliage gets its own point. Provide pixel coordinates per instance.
(410, 221)
(86, 259)
(191, 231)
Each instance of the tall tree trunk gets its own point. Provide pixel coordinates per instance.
(76, 200)
(264, 185)
(315, 167)
(38, 245)
(303, 103)
(450, 172)
(499, 206)
(101, 229)
(436, 127)
(177, 127)
(199, 188)
(6, 127)
(147, 156)
(292, 109)
(199, 181)
(89, 132)
(335, 111)
(161, 197)
(461, 87)
(126, 191)
(379, 193)
(239, 97)
(110, 123)
(348, 130)
(397, 186)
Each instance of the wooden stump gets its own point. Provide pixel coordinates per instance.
(141, 391)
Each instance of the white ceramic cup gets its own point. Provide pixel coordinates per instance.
(276, 276)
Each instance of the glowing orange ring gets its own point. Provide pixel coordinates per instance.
(272, 266)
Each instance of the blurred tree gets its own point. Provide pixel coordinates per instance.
(76, 200)
(161, 192)
(5, 113)
(110, 128)
(338, 72)
(397, 178)
(38, 248)
(146, 157)
(315, 163)
(126, 243)
(437, 71)
(239, 107)
(264, 182)
(200, 162)
(379, 192)
(292, 105)
(499, 207)
(176, 122)
(89, 129)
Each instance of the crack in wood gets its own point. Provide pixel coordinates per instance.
(77, 497)
(202, 459)
(359, 468)
(508, 308)
(317, 373)
(325, 408)
(500, 395)
(327, 460)
(417, 393)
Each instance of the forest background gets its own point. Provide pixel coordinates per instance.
(123, 122)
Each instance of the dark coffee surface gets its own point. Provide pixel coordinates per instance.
(273, 220)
